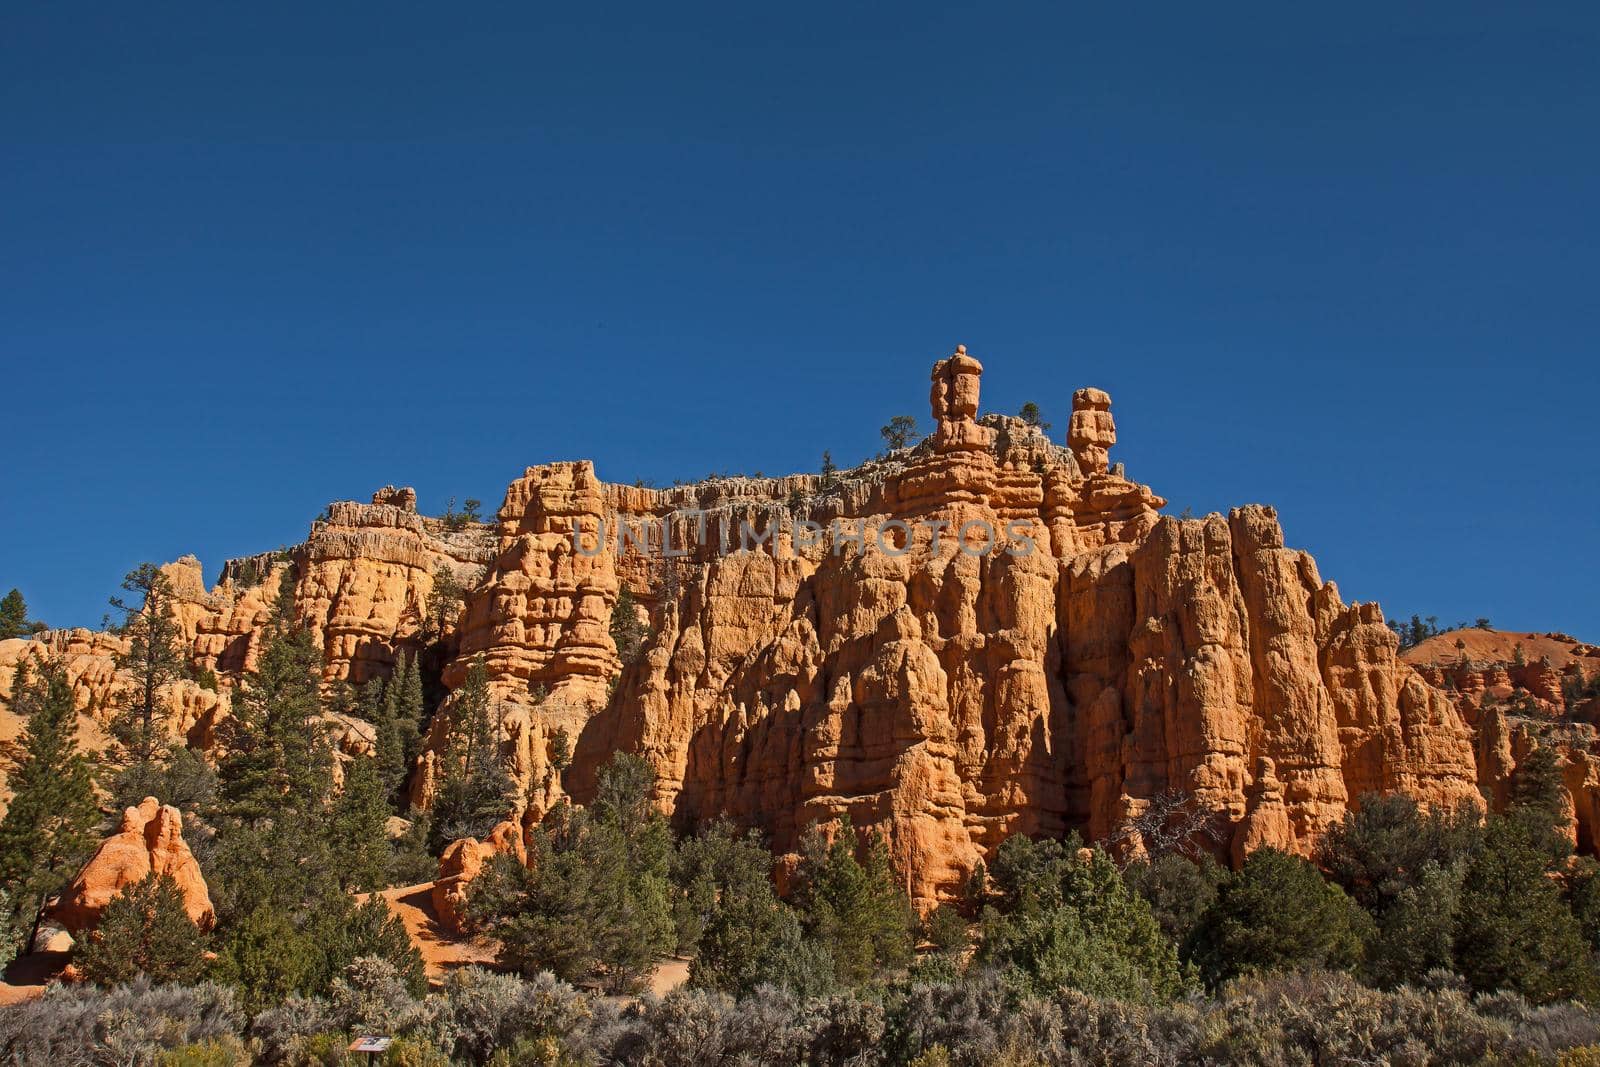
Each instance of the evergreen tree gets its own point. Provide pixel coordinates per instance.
(729, 919)
(1583, 895)
(630, 847)
(1178, 890)
(410, 861)
(271, 953)
(476, 793)
(1537, 783)
(830, 471)
(9, 934)
(594, 898)
(1417, 930)
(48, 829)
(410, 707)
(444, 603)
(1063, 921)
(1382, 847)
(628, 631)
(267, 957)
(900, 432)
(541, 915)
(1515, 931)
(855, 909)
(275, 780)
(154, 657)
(277, 761)
(14, 621)
(144, 930)
(358, 829)
(348, 931)
(1277, 913)
(1030, 415)
(394, 735)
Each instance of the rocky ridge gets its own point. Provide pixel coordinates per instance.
(1518, 692)
(846, 644)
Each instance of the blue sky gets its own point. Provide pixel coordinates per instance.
(257, 259)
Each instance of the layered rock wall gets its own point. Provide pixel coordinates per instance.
(984, 634)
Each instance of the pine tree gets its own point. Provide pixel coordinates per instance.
(14, 621)
(900, 432)
(594, 898)
(857, 910)
(358, 829)
(444, 602)
(628, 632)
(412, 708)
(1277, 913)
(1063, 921)
(1515, 932)
(145, 930)
(830, 471)
(389, 750)
(399, 724)
(154, 657)
(1537, 783)
(1538, 802)
(9, 934)
(48, 830)
(1030, 415)
(1381, 847)
(277, 762)
(728, 918)
(476, 793)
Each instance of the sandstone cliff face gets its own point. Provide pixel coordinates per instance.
(987, 633)
(1513, 689)
(890, 670)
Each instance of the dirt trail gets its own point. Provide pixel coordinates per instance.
(28, 975)
(441, 950)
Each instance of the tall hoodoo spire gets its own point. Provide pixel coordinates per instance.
(1091, 431)
(954, 398)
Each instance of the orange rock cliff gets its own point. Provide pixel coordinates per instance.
(984, 634)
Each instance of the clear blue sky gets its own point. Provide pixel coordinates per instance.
(257, 258)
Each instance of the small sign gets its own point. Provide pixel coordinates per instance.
(371, 1044)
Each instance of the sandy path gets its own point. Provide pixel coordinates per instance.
(441, 950)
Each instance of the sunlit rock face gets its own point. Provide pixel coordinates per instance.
(985, 633)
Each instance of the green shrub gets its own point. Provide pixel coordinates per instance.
(145, 930)
(218, 1052)
(1278, 913)
(1067, 922)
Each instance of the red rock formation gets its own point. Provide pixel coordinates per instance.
(1512, 688)
(149, 840)
(461, 862)
(986, 634)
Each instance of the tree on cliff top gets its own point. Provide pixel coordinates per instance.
(1030, 415)
(900, 432)
(14, 621)
(48, 830)
(154, 657)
